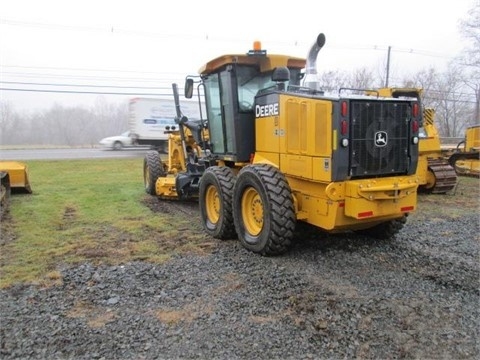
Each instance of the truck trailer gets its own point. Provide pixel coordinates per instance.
(150, 120)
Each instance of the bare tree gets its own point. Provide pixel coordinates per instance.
(63, 126)
(451, 103)
(333, 80)
(470, 29)
(425, 79)
(362, 78)
(14, 127)
(110, 119)
(470, 58)
(7, 119)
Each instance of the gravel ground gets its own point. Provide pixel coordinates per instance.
(330, 297)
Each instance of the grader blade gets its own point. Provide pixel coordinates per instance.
(18, 174)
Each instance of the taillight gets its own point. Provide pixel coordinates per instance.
(415, 110)
(415, 126)
(344, 127)
(344, 108)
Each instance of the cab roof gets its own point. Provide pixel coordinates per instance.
(264, 62)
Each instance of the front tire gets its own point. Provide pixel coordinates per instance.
(215, 202)
(152, 170)
(263, 211)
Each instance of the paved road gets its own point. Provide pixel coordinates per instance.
(59, 154)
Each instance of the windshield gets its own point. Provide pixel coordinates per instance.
(250, 81)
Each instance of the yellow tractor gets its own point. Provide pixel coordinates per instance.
(466, 158)
(13, 178)
(279, 151)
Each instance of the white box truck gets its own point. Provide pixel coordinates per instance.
(149, 118)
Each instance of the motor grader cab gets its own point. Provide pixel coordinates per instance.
(435, 174)
(466, 158)
(13, 179)
(281, 151)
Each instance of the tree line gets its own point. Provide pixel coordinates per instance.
(62, 125)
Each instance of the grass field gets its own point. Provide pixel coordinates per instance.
(84, 210)
(98, 211)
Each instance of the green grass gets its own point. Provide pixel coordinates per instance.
(82, 210)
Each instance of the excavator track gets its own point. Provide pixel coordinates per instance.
(445, 176)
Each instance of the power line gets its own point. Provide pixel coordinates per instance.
(84, 85)
(207, 37)
(86, 92)
(90, 77)
(162, 87)
(87, 69)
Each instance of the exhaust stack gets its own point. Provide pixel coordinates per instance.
(311, 79)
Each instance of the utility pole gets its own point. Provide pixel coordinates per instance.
(388, 66)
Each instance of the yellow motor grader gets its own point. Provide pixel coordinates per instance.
(274, 149)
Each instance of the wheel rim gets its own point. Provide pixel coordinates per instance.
(212, 204)
(252, 211)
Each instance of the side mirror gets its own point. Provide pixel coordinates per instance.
(188, 88)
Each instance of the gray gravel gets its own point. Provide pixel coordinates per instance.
(329, 297)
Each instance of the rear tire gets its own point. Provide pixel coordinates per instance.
(152, 170)
(215, 202)
(263, 210)
(386, 230)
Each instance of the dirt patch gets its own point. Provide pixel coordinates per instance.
(7, 230)
(188, 235)
(178, 208)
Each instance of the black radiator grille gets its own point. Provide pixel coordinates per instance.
(380, 138)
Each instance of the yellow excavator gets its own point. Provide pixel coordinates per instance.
(13, 179)
(436, 175)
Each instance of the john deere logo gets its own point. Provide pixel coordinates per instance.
(381, 139)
